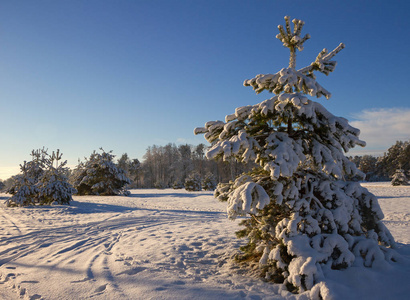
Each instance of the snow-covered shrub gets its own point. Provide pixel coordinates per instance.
(99, 175)
(31, 172)
(53, 185)
(177, 185)
(193, 182)
(209, 182)
(24, 190)
(303, 215)
(399, 178)
(40, 182)
(160, 185)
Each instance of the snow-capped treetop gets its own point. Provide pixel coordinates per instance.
(289, 79)
(287, 130)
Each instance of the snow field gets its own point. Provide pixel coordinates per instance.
(164, 244)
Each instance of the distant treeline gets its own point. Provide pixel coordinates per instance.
(382, 168)
(170, 165)
(167, 166)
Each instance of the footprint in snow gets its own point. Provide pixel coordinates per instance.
(196, 244)
(101, 288)
(132, 271)
(81, 280)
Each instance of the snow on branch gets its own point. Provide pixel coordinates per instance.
(287, 80)
(323, 63)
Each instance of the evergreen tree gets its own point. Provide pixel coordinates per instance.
(399, 178)
(209, 182)
(177, 185)
(124, 162)
(396, 157)
(40, 182)
(131, 168)
(53, 185)
(193, 182)
(99, 175)
(24, 189)
(30, 174)
(368, 167)
(303, 215)
(134, 171)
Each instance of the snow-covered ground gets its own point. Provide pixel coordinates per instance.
(164, 244)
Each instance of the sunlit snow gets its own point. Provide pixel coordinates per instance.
(165, 244)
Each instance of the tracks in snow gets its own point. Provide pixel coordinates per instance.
(88, 254)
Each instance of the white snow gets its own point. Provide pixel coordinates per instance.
(166, 244)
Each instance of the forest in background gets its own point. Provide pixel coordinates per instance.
(170, 165)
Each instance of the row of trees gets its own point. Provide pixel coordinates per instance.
(384, 168)
(170, 166)
(46, 180)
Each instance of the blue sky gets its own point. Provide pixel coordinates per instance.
(125, 75)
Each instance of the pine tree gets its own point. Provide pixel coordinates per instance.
(193, 182)
(303, 215)
(396, 157)
(24, 189)
(23, 185)
(399, 178)
(53, 185)
(177, 185)
(41, 183)
(209, 182)
(99, 175)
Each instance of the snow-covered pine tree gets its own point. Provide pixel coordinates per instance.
(399, 178)
(99, 175)
(24, 189)
(24, 185)
(193, 182)
(209, 182)
(303, 216)
(53, 185)
(40, 182)
(177, 185)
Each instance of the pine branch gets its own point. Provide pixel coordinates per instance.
(323, 62)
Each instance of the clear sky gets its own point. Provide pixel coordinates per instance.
(125, 75)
